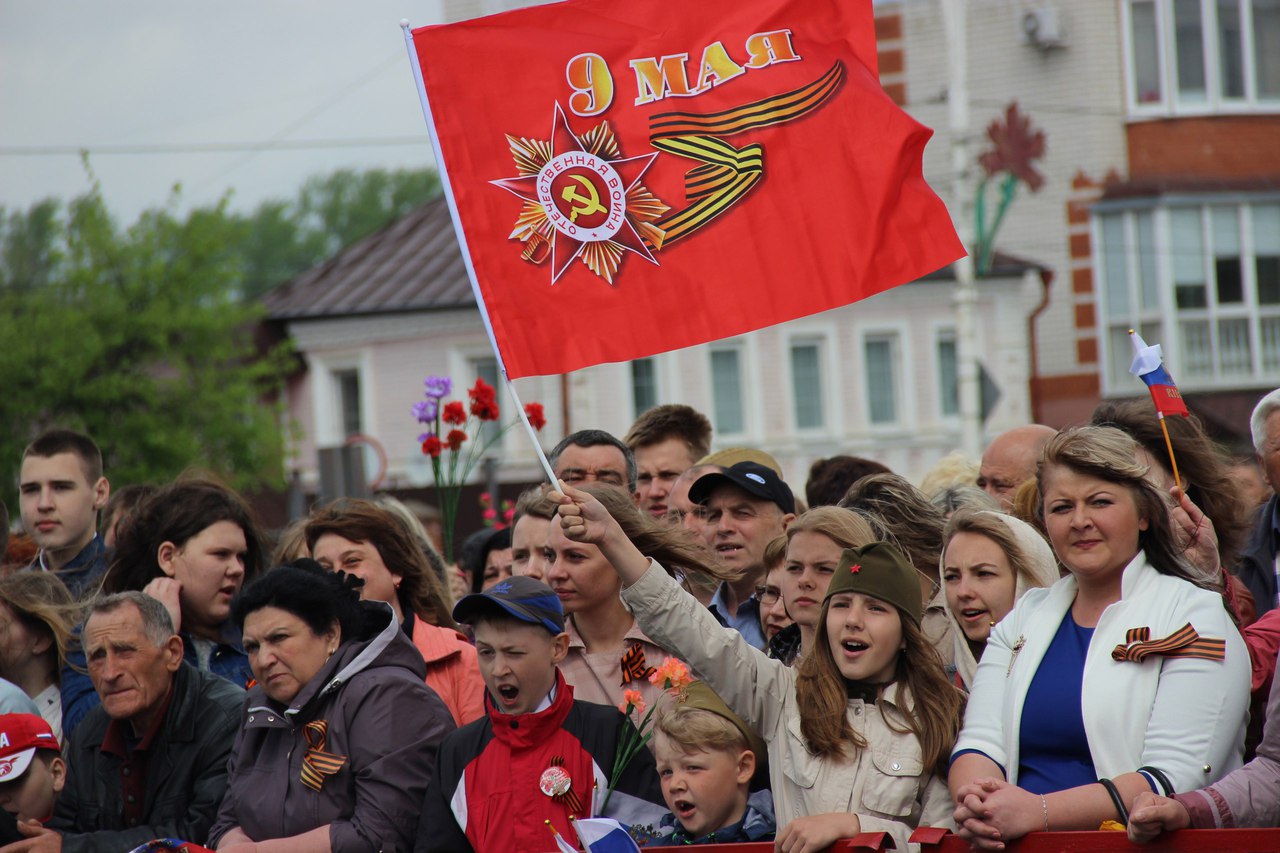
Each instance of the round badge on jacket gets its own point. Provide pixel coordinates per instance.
(555, 781)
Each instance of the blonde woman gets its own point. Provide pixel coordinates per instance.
(989, 559)
(1126, 676)
(37, 616)
(815, 542)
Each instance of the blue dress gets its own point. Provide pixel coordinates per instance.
(1054, 749)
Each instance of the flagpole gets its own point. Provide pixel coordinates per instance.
(1169, 445)
(466, 253)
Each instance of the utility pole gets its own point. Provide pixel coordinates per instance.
(966, 293)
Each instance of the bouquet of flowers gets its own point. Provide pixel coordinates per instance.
(674, 676)
(450, 425)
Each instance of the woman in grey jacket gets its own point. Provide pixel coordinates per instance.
(340, 733)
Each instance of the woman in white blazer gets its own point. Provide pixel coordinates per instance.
(1128, 675)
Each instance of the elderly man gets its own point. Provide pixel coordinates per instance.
(1258, 564)
(1010, 460)
(151, 761)
(746, 507)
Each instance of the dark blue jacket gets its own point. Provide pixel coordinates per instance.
(1257, 563)
(85, 570)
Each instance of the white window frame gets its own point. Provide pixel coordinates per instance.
(747, 368)
(821, 337)
(326, 417)
(1171, 102)
(1166, 316)
(939, 333)
(904, 409)
(658, 383)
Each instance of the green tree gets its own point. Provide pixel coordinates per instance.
(136, 337)
(282, 239)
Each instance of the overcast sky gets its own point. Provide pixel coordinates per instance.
(325, 83)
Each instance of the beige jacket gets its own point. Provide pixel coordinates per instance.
(886, 785)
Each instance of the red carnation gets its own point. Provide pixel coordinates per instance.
(432, 446)
(537, 419)
(484, 403)
(455, 438)
(454, 413)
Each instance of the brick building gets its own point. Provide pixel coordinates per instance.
(1161, 211)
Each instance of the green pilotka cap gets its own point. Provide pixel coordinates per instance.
(879, 570)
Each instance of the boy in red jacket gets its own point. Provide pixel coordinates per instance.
(538, 755)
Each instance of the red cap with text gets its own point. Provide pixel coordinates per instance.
(20, 736)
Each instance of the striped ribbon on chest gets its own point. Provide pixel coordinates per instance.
(1182, 643)
(317, 763)
(634, 667)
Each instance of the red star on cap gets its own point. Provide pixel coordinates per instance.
(855, 568)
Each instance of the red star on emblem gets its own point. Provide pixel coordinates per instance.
(553, 206)
(855, 568)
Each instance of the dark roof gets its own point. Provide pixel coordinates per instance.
(1180, 184)
(413, 264)
(1003, 265)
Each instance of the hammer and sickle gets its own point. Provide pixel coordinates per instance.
(589, 204)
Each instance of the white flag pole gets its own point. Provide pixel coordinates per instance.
(466, 254)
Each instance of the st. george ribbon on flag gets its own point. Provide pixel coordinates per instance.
(628, 177)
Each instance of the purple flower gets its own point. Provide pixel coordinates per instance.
(438, 386)
(425, 436)
(425, 411)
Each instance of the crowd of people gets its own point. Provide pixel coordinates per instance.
(1063, 635)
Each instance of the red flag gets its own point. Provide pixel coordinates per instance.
(635, 176)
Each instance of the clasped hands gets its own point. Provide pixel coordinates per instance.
(990, 812)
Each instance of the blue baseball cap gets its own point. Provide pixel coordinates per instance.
(522, 597)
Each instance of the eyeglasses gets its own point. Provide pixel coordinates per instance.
(767, 595)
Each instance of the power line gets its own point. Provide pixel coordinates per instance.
(299, 122)
(208, 147)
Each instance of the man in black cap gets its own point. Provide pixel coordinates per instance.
(746, 507)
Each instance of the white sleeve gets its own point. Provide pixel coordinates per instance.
(1201, 707)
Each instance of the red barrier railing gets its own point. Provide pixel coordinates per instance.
(1185, 841)
(942, 841)
(861, 843)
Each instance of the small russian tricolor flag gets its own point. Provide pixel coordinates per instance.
(1148, 365)
(604, 835)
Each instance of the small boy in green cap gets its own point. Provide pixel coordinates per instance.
(707, 759)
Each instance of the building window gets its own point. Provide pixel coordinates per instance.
(644, 386)
(726, 391)
(806, 384)
(1203, 281)
(882, 379)
(948, 375)
(1203, 55)
(346, 394)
